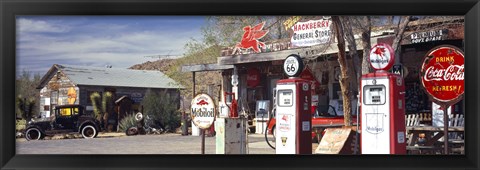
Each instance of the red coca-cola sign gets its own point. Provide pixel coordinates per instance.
(442, 74)
(253, 77)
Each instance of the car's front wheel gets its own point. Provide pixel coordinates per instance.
(89, 132)
(33, 134)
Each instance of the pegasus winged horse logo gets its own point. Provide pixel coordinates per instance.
(379, 51)
(251, 36)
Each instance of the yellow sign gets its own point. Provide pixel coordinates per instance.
(72, 95)
(291, 21)
(284, 140)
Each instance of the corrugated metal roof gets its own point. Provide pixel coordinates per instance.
(120, 77)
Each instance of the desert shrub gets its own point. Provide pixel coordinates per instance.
(127, 122)
(163, 108)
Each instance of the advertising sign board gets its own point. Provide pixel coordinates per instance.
(203, 111)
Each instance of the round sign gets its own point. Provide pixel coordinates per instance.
(381, 57)
(203, 111)
(293, 65)
(442, 74)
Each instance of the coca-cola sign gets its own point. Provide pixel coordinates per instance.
(442, 74)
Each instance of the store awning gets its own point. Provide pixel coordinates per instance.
(306, 52)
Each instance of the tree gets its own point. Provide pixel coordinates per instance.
(366, 32)
(345, 78)
(27, 96)
(399, 36)
(26, 107)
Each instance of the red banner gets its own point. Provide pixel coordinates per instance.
(442, 74)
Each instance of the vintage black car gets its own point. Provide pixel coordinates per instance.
(67, 119)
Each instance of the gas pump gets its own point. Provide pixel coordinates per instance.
(382, 106)
(293, 116)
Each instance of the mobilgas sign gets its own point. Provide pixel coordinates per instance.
(203, 111)
(381, 57)
(442, 74)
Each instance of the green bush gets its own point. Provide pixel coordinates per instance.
(163, 108)
(127, 122)
(20, 125)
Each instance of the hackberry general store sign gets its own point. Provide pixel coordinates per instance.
(203, 111)
(442, 74)
(310, 33)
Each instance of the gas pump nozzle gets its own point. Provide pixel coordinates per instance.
(233, 107)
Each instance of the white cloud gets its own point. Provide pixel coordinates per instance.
(84, 44)
(28, 25)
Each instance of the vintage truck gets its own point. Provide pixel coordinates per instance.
(66, 119)
(323, 117)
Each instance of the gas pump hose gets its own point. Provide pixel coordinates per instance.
(266, 131)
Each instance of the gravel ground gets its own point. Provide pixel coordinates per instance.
(117, 143)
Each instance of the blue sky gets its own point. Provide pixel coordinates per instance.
(120, 41)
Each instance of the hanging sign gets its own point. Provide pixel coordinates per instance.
(203, 111)
(293, 65)
(253, 77)
(381, 57)
(442, 74)
(427, 36)
(310, 33)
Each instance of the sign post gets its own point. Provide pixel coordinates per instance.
(442, 77)
(203, 114)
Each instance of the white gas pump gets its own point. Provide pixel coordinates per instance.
(293, 118)
(261, 116)
(382, 106)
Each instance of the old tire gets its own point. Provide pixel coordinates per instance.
(131, 131)
(89, 132)
(33, 134)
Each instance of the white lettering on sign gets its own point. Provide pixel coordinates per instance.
(435, 35)
(453, 72)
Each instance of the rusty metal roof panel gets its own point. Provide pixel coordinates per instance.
(120, 77)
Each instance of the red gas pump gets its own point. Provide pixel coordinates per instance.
(293, 135)
(382, 97)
